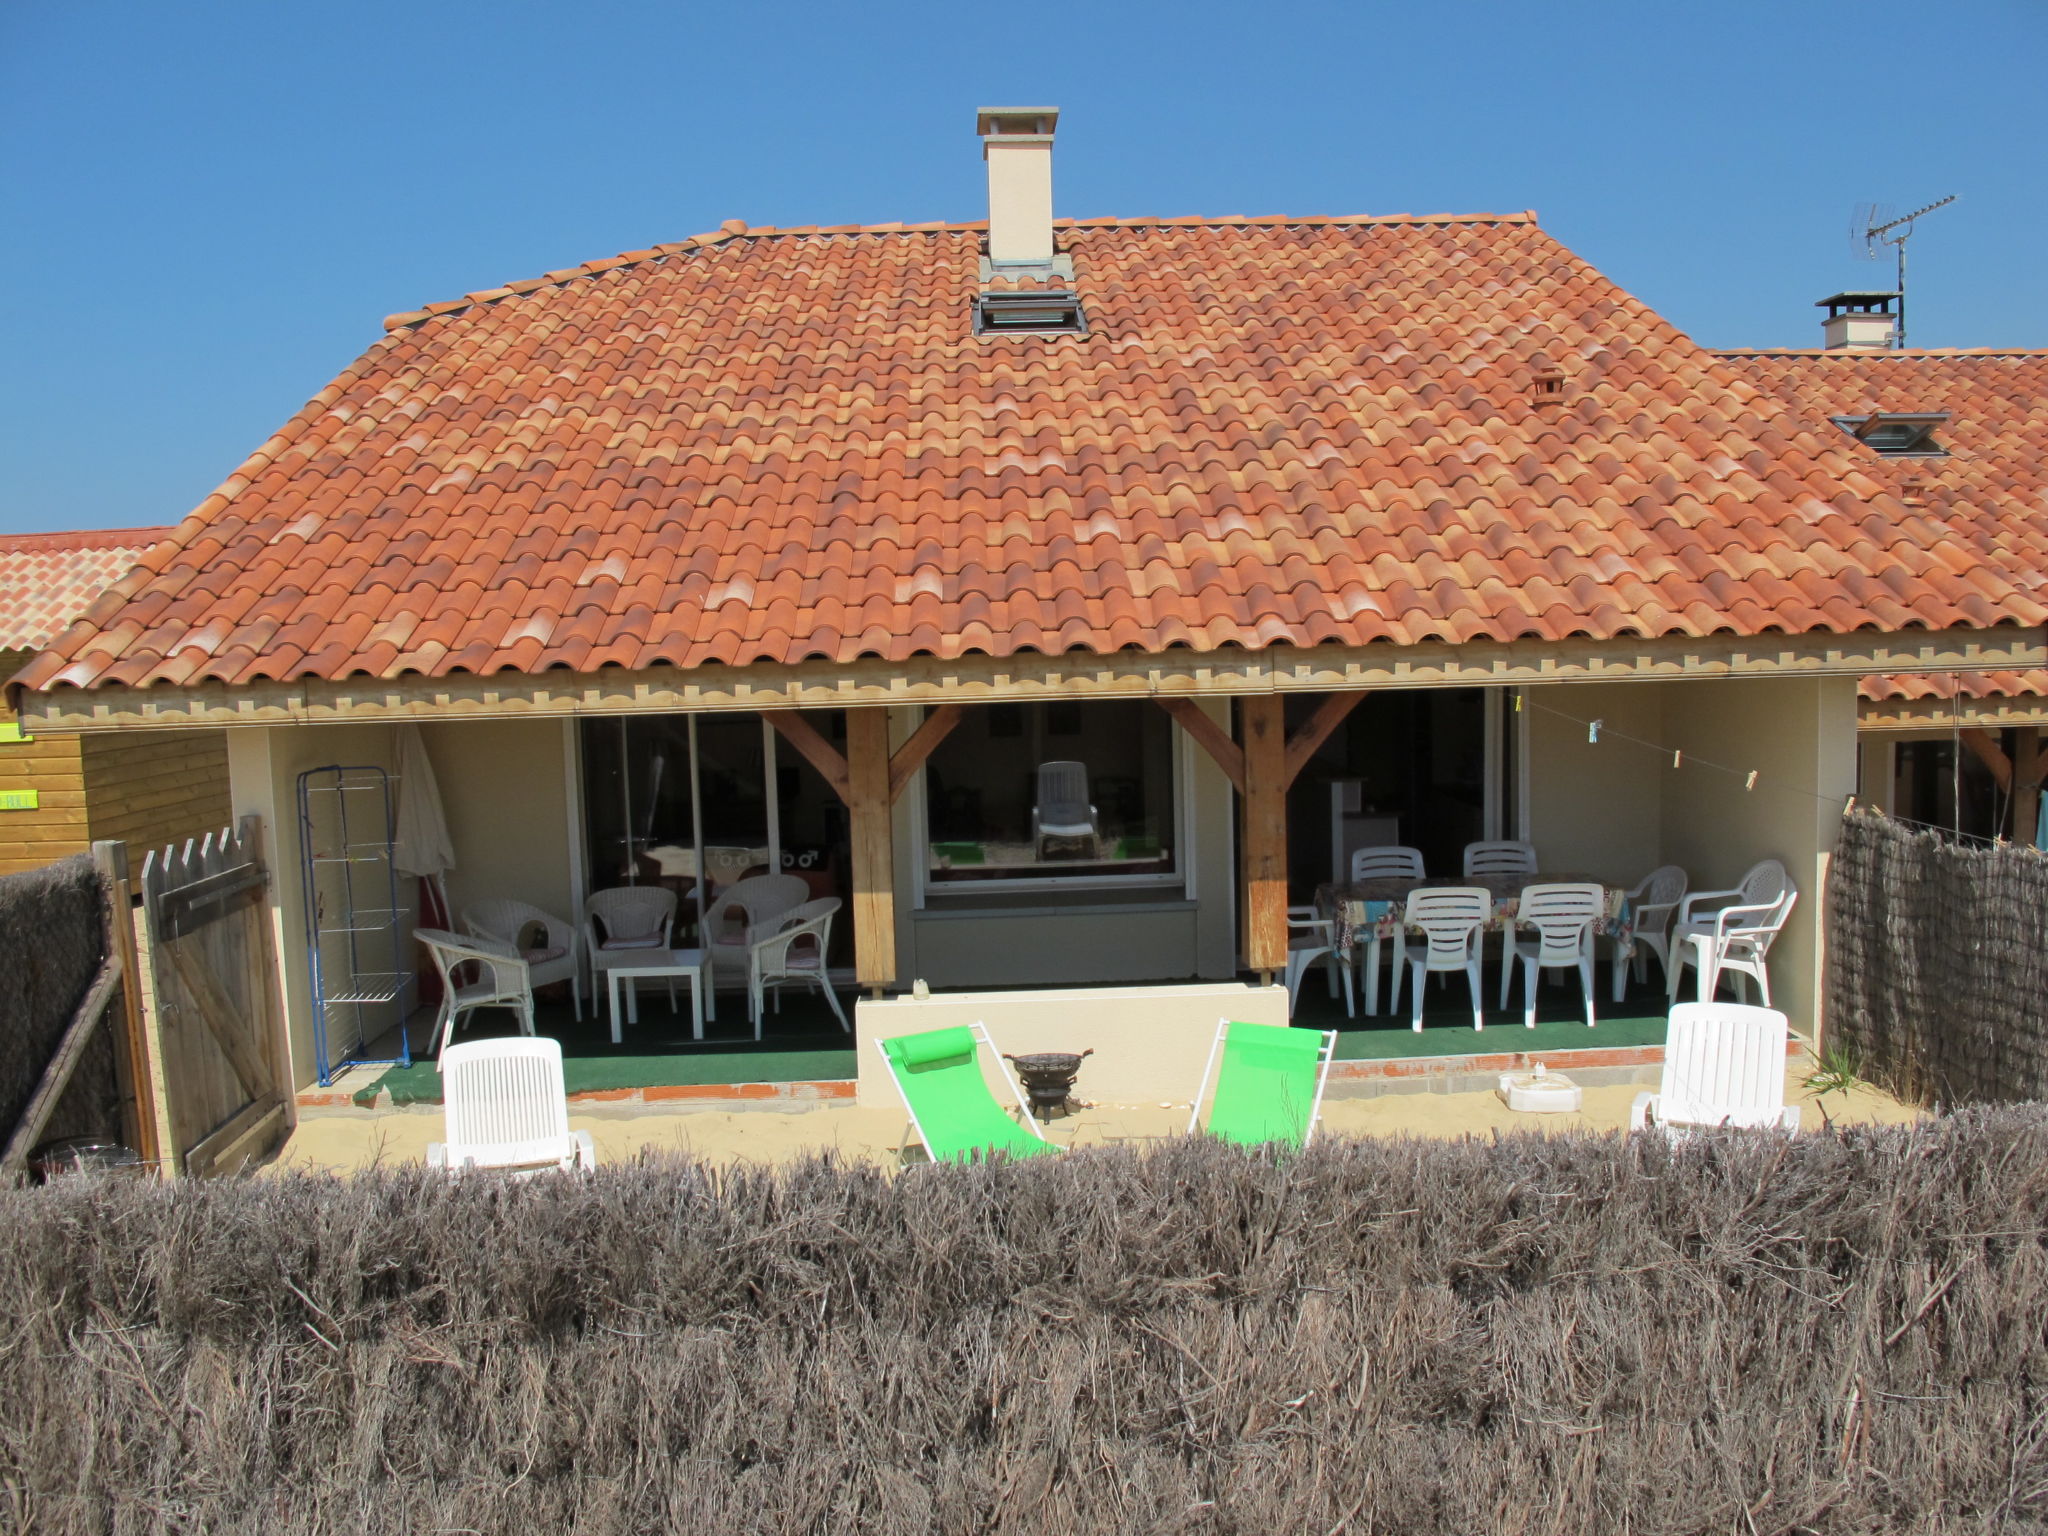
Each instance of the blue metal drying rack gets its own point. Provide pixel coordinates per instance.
(347, 837)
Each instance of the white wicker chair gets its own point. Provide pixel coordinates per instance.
(794, 951)
(744, 913)
(503, 980)
(623, 922)
(559, 958)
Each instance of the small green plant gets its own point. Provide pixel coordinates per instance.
(1837, 1069)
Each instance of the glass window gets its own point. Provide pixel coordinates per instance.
(1057, 791)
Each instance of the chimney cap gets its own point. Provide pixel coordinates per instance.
(1016, 122)
(1859, 300)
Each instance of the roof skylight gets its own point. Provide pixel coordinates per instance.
(1034, 310)
(1897, 434)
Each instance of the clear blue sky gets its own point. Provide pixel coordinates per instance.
(210, 205)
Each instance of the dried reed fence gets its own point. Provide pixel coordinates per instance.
(53, 940)
(1739, 1334)
(1938, 963)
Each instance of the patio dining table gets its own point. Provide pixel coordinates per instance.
(1370, 910)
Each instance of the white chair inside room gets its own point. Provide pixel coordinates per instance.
(1063, 808)
(1738, 927)
(1312, 937)
(558, 956)
(1563, 917)
(622, 923)
(506, 1108)
(743, 913)
(794, 952)
(1392, 862)
(1452, 919)
(498, 978)
(1500, 858)
(1652, 906)
(1724, 1065)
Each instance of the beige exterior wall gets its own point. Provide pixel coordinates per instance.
(1162, 934)
(1597, 807)
(1150, 1043)
(505, 792)
(157, 789)
(1800, 737)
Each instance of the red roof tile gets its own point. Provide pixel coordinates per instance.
(757, 446)
(1988, 496)
(49, 579)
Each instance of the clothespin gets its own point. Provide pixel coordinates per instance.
(1518, 701)
(1592, 730)
(1677, 757)
(1848, 805)
(1750, 782)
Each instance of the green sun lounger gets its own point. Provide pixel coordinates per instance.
(938, 1073)
(1269, 1086)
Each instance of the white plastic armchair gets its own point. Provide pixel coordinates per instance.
(1563, 917)
(1500, 858)
(794, 951)
(1312, 937)
(1452, 919)
(1738, 927)
(1724, 1064)
(1393, 862)
(500, 979)
(1652, 906)
(560, 955)
(1063, 808)
(748, 910)
(506, 1108)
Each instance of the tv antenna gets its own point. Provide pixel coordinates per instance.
(1874, 227)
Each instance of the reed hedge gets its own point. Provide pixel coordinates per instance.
(1735, 1334)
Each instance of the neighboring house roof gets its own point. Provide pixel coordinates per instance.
(775, 446)
(1989, 493)
(49, 579)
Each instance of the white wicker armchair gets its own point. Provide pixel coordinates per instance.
(502, 980)
(559, 956)
(794, 951)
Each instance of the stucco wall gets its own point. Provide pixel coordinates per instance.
(1799, 735)
(505, 792)
(1596, 807)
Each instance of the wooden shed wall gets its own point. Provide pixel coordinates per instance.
(154, 788)
(51, 766)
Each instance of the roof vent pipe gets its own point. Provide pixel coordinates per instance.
(1017, 144)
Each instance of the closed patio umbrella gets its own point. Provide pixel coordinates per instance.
(422, 847)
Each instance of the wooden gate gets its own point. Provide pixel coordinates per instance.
(216, 1050)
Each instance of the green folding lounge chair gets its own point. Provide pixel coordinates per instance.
(938, 1073)
(1269, 1086)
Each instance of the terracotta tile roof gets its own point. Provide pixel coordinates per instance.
(1989, 495)
(767, 445)
(49, 579)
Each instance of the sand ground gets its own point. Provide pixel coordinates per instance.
(344, 1142)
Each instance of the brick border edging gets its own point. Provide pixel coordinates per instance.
(825, 1089)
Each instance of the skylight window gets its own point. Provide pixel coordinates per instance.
(1039, 310)
(1897, 434)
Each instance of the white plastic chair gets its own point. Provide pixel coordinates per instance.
(744, 912)
(623, 922)
(1392, 862)
(1563, 917)
(1724, 1064)
(560, 958)
(1740, 926)
(503, 980)
(1500, 858)
(1063, 808)
(1652, 905)
(1452, 918)
(794, 952)
(1312, 937)
(505, 1107)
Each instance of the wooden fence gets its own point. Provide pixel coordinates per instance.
(214, 1034)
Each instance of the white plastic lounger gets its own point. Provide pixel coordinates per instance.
(506, 1108)
(1724, 1064)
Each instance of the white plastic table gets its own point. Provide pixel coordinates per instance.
(632, 965)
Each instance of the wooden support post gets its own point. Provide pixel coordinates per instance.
(1263, 731)
(2026, 790)
(1328, 716)
(132, 1053)
(1209, 736)
(874, 865)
